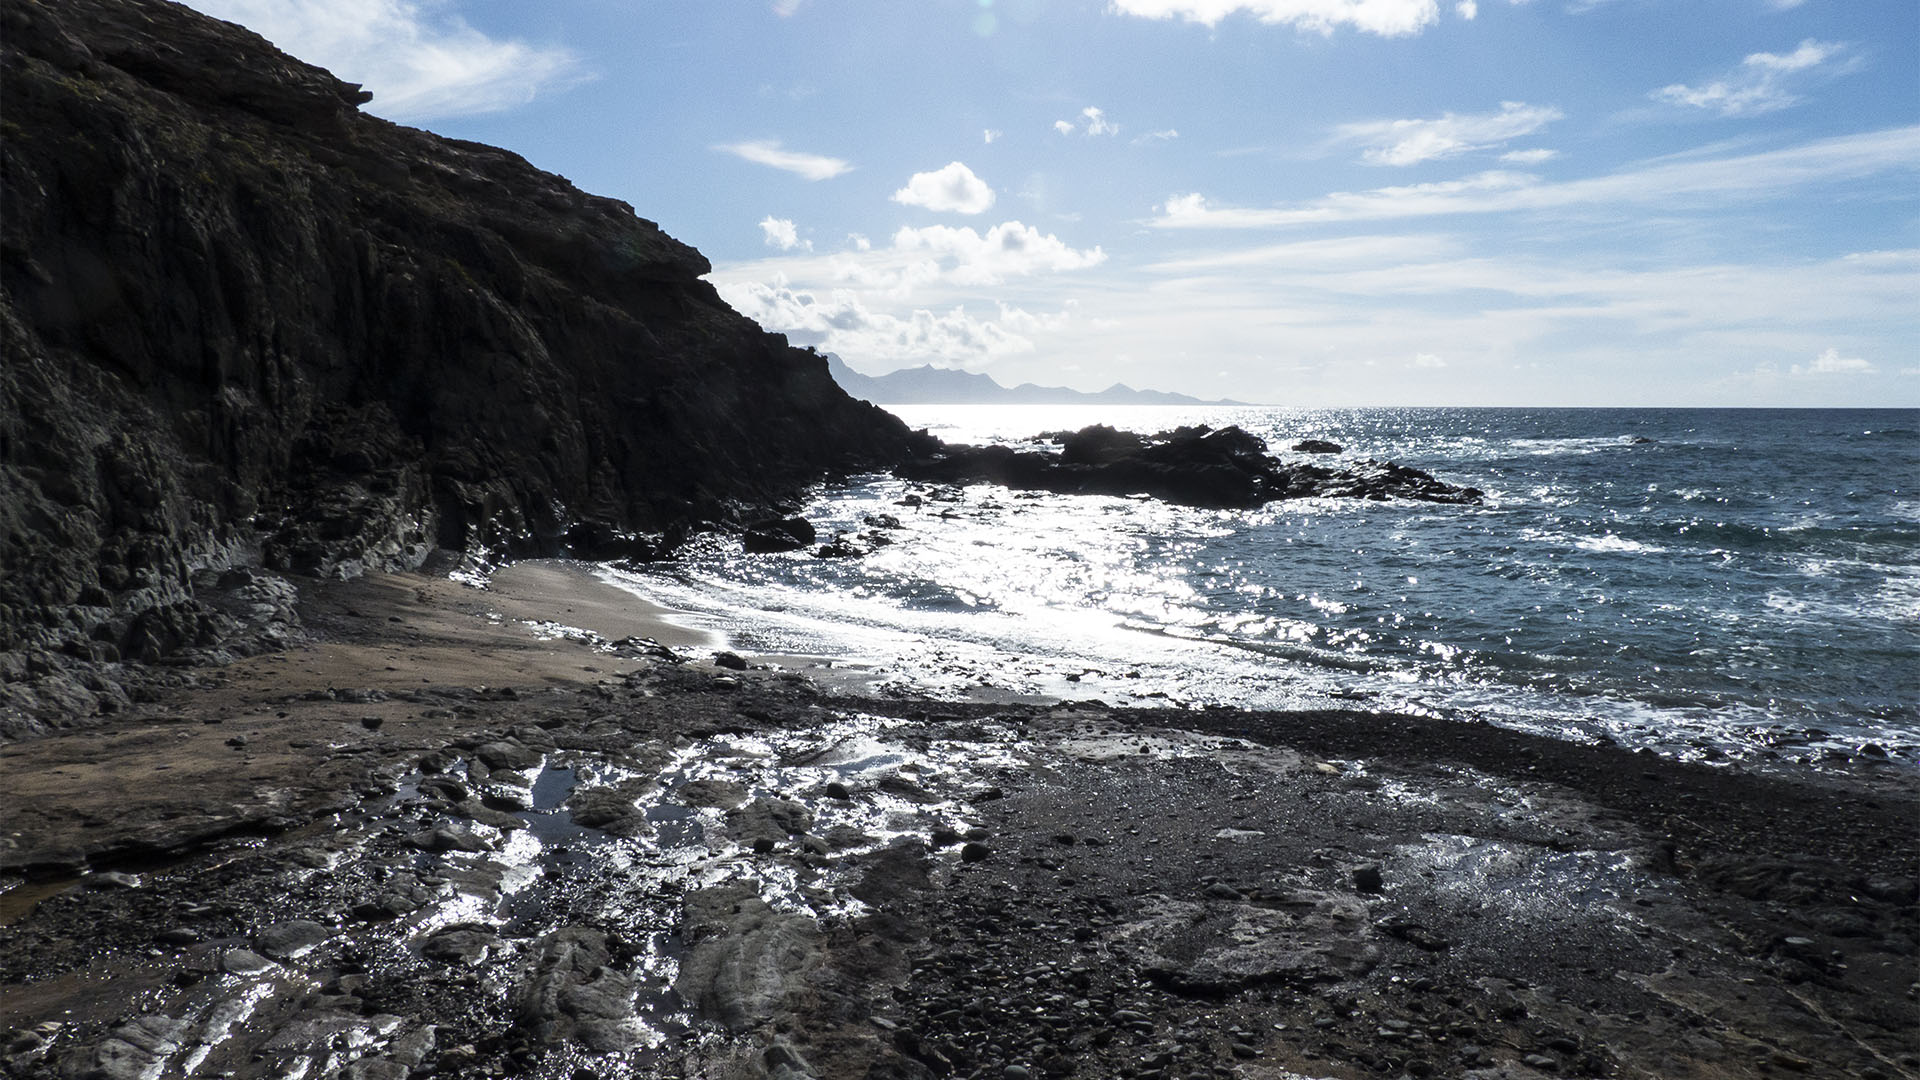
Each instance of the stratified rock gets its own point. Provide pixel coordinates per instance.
(1202, 949)
(243, 323)
(295, 937)
(1227, 468)
(747, 961)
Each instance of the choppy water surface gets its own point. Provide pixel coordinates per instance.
(1714, 581)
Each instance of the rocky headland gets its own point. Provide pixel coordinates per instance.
(249, 328)
(1224, 468)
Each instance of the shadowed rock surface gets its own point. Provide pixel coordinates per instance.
(246, 325)
(1227, 468)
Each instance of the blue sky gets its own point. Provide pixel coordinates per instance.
(1314, 202)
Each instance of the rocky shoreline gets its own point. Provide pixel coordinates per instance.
(495, 833)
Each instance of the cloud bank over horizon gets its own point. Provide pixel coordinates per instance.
(1363, 202)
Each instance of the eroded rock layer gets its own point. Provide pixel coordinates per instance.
(247, 325)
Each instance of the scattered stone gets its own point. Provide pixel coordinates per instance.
(245, 962)
(974, 851)
(447, 838)
(718, 794)
(730, 660)
(290, 939)
(464, 943)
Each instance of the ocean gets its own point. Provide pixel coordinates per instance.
(1715, 584)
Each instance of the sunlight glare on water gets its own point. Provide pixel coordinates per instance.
(1707, 581)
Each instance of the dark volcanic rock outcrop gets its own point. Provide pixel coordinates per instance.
(1225, 468)
(245, 324)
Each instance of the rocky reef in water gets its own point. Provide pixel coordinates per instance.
(1223, 468)
(246, 326)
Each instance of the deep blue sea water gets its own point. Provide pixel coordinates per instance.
(1709, 582)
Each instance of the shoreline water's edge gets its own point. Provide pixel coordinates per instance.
(432, 766)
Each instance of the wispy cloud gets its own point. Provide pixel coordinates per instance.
(1467, 9)
(768, 152)
(952, 188)
(1390, 18)
(1761, 175)
(419, 65)
(1409, 142)
(1831, 362)
(1763, 83)
(840, 321)
(1529, 157)
(781, 233)
(1157, 136)
(1008, 249)
(990, 135)
(1093, 122)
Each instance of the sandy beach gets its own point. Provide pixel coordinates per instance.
(535, 830)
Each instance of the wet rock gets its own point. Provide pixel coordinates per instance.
(463, 943)
(1311, 937)
(715, 793)
(974, 852)
(110, 880)
(747, 960)
(612, 808)
(138, 1049)
(447, 838)
(571, 992)
(245, 962)
(295, 937)
(768, 821)
(508, 754)
(1194, 466)
(730, 660)
(1317, 446)
(778, 534)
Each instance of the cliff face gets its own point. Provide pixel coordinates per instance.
(245, 324)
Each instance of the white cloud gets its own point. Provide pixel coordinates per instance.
(989, 135)
(1785, 5)
(1763, 82)
(1426, 360)
(1529, 157)
(1831, 362)
(781, 233)
(859, 242)
(785, 8)
(1009, 249)
(841, 322)
(1467, 9)
(952, 189)
(1093, 122)
(1157, 136)
(1390, 18)
(768, 152)
(1762, 175)
(418, 65)
(1409, 142)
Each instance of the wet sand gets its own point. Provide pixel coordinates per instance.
(497, 832)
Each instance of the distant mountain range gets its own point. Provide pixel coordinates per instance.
(929, 385)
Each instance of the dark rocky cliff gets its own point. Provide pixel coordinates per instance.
(246, 325)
